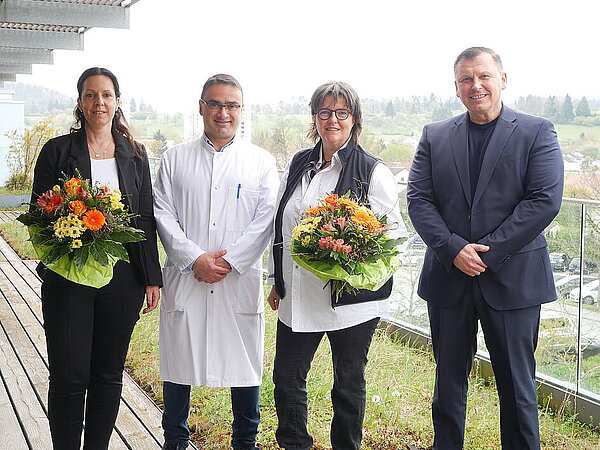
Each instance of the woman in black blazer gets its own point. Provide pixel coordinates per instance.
(88, 329)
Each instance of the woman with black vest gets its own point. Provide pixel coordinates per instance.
(336, 164)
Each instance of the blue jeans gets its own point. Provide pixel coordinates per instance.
(293, 357)
(244, 404)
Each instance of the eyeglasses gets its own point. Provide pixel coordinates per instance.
(325, 113)
(216, 106)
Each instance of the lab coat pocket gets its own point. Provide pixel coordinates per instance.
(241, 207)
(249, 298)
(176, 289)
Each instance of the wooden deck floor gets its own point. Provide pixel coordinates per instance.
(24, 369)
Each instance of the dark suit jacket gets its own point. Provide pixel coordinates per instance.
(69, 152)
(518, 194)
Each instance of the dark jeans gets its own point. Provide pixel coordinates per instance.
(294, 354)
(244, 404)
(511, 339)
(87, 336)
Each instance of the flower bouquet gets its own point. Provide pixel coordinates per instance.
(345, 243)
(78, 230)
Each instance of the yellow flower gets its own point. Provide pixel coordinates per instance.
(56, 188)
(69, 226)
(305, 240)
(116, 205)
(115, 195)
(76, 243)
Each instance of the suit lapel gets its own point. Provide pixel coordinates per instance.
(79, 156)
(504, 128)
(128, 180)
(459, 146)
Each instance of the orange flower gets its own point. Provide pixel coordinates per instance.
(93, 219)
(365, 218)
(332, 199)
(349, 204)
(77, 207)
(313, 211)
(72, 186)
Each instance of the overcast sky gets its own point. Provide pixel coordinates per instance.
(281, 49)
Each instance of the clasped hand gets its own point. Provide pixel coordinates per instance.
(468, 260)
(210, 267)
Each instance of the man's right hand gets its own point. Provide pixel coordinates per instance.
(206, 268)
(469, 262)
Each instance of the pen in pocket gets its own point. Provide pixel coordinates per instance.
(238, 190)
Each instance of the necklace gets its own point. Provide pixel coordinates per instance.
(97, 154)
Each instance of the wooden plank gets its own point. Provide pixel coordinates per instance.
(139, 418)
(143, 406)
(26, 403)
(11, 435)
(8, 252)
(27, 289)
(133, 431)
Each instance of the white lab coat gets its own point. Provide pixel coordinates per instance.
(205, 201)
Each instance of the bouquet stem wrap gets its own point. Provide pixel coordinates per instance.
(92, 274)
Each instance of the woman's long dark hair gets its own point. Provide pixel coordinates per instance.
(119, 122)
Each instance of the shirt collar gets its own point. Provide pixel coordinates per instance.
(335, 157)
(210, 144)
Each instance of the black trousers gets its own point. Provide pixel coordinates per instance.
(293, 357)
(87, 336)
(511, 339)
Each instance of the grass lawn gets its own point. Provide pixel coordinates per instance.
(570, 132)
(400, 382)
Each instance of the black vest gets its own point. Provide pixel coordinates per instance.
(357, 169)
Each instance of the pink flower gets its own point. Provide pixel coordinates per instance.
(341, 222)
(339, 246)
(85, 195)
(325, 242)
(328, 227)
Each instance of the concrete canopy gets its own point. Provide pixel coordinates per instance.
(30, 30)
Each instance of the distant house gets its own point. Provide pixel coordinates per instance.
(402, 176)
(572, 163)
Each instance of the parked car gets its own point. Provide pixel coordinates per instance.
(565, 284)
(412, 257)
(559, 261)
(415, 242)
(589, 293)
(588, 266)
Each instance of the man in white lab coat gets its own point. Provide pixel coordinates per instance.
(214, 205)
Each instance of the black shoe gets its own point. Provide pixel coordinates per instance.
(176, 445)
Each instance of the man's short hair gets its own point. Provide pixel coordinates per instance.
(221, 78)
(474, 52)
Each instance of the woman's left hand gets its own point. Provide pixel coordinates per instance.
(152, 297)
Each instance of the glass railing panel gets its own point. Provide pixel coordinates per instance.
(587, 299)
(557, 353)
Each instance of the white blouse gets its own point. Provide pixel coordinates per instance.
(306, 306)
(105, 172)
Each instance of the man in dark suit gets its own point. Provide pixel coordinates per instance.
(482, 188)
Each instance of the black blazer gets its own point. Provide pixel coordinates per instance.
(69, 152)
(518, 194)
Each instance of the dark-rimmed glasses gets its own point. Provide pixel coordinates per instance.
(325, 113)
(216, 106)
